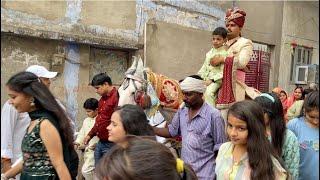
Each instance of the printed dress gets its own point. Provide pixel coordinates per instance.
(36, 161)
(290, 153)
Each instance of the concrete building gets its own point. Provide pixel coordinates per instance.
(299, 44)
(81, 38)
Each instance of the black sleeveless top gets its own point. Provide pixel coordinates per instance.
(36, 159)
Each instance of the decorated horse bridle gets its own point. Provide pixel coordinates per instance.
(139, 94)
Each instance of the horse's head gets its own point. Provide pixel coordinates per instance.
(132, 91)
(133, 88)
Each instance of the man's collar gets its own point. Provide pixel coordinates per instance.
(220, 48)
(202, 110)
(231, 41)
(109, 93)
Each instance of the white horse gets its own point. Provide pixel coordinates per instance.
(135, 89)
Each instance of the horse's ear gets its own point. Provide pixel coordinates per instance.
(140, 64)
(139, 70)
(133, 67)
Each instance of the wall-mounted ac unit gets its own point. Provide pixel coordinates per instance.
(306, 74)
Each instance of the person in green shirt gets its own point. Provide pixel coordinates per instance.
(212, 75)
(283, 140)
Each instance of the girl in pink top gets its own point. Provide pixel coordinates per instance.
(284, 101)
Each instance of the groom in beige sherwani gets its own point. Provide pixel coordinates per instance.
(240, 51)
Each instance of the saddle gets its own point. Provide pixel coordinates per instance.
(168, 90)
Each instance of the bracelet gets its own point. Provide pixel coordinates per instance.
(4, 177)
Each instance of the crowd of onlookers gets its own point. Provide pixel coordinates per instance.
(274, 136)
(292, 104)
(223, 136)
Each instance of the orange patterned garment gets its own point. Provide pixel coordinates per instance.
(167, 89)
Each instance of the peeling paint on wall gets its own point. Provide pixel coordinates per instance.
(67, 29)
(185, 13)
(71, 79)
(73, 10)
(26, 58)
(17, 53)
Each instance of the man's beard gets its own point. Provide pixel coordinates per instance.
(229, 35)
(186, 104)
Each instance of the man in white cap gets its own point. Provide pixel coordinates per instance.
(43, 74)
(14, 124)
(201, 127)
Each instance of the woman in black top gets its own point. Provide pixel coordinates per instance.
(47, 147)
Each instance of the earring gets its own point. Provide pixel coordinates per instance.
(32, 102)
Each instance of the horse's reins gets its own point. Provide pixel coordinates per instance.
(142, 81)
(144, 87)
(159, 123)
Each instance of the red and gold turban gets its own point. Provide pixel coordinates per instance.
(236, 15)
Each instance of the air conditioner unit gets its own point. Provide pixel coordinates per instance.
(307, 74)
(301, 75)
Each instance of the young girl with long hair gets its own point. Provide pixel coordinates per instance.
(306, 128)
(283, 140)
(249, 154)
(47, 147)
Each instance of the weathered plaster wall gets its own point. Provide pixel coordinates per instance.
(111, 14)
(113, 26)
(17, 53)
(114, 62)
(50, 10)
(263, 21)
(176, 51)
(70, 86)
(300, 25)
